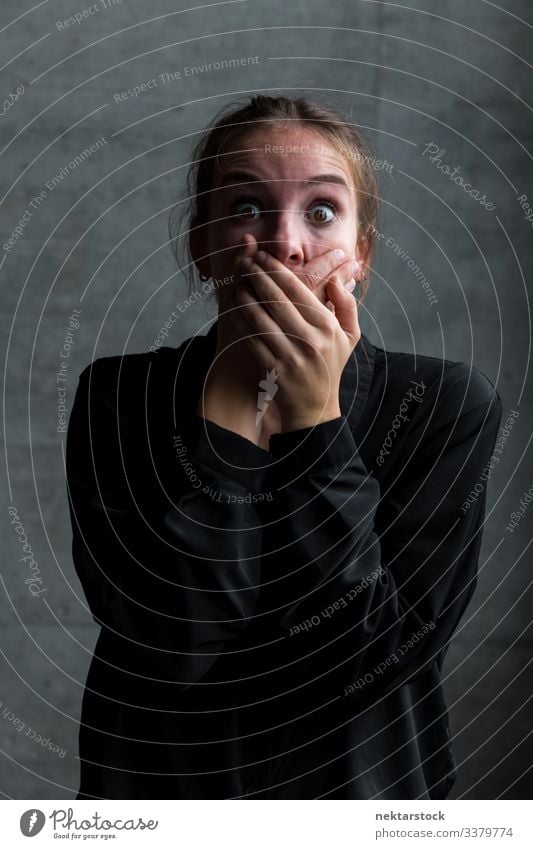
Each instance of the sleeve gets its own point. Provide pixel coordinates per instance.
(362, 588)
(178, 580)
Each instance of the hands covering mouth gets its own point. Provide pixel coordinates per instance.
(315, 274)
(284, 319)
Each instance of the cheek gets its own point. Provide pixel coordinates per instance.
(322, 240)
(222, 245)
(347, 233)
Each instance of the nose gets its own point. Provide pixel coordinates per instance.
(282, 238)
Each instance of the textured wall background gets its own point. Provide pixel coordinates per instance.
(447, 73)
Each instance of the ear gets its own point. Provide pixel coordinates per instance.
(197, 242)
(361, 253)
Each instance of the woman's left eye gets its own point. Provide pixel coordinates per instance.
(319, 212)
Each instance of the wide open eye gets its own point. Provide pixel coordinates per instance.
(319, 212)
(245, 209)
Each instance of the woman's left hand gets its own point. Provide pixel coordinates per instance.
(299, 340)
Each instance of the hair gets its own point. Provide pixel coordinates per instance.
(235, 121)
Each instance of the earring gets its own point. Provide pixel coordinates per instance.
(204, 277)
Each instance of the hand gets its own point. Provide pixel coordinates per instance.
(289, 330)
(315, 273)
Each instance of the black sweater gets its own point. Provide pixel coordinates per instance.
(273, 623)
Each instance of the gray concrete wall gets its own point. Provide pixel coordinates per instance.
(446, 73)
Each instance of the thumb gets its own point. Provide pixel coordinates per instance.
(250, 245)
(346, 311)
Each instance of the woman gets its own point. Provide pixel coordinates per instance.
(269, 521)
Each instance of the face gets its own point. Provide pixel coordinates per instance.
(265, 188)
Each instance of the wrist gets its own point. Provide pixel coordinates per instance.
(297, 420)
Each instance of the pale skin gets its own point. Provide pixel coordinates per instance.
(298, 317)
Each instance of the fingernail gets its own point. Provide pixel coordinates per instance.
(246, 263)
(350, 286)
(261, 256)
(339, 254)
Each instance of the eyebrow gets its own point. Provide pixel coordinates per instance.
(246, 177)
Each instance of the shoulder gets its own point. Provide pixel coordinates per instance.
(105, 373)
(435, 423)
(454, 386)
(129, 387)
(125, 379)
(110, 388)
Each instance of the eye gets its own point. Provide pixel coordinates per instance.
(320, 210)
(246, 207)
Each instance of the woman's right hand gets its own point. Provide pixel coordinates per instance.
(230, 393)
(315, 274)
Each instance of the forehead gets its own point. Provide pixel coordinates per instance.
(285, 154)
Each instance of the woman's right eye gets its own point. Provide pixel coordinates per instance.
(246, 208)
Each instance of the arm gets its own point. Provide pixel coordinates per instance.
(176, 581)
(350, 574)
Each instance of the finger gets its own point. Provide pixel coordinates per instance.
(344, 274)
(346, 311)
(250, 245)
(269, 344)
(279, 289)
(315, 273)
(261, 322)
(247, 248)
(290, 316)
(255, 344)
(318, 270)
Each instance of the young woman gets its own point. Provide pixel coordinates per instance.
(270, 522)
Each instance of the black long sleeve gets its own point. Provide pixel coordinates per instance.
(265, 607)
(343, 576)
(179, 581)
(362, 587)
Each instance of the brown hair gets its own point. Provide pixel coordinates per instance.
(234, 122)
